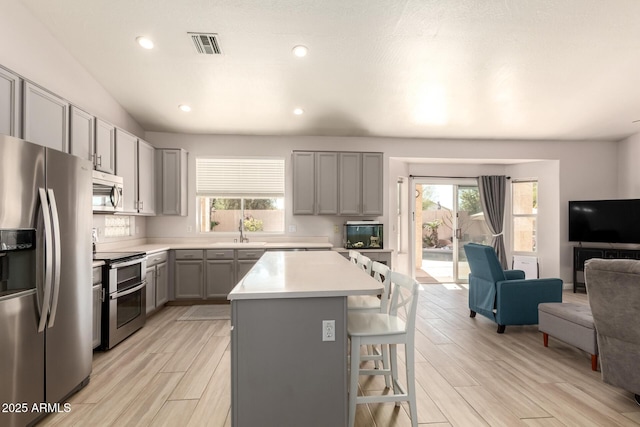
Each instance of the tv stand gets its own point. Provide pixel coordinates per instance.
(581, 254)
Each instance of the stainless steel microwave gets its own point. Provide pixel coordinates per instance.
(107, 192)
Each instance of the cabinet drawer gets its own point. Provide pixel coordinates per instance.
(156, 258)
(189, 254)
(250, 253)
(220, 254)
(97, 275)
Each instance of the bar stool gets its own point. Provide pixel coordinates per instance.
(372, 303)
(386, 329)
(353, 256)
(364, 262)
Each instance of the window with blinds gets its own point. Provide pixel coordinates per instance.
(240, 192)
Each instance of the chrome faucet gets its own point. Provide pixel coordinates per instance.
(241, 229)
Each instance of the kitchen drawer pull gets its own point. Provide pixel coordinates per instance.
(188, 256)
(219, 254)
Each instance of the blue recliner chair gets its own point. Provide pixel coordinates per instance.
(504, 296)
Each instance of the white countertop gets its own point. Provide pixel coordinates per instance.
(304, 275)
(150, 248)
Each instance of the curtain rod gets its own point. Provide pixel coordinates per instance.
(451, 177)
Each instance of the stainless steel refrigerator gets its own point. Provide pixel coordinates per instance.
(45, 279)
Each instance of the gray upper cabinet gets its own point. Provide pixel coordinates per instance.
(135, 163)
(127, 168)
(372, 184)
(45, 118)
(350, 183)
(171, 182)
(82, 135)
(303, 183)
(146, 179)
(105, 147)
(10, 99)
(326, 183)
(331, 183)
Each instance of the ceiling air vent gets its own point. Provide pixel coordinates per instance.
(206, 43)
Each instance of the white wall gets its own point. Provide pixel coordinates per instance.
(628, 170)
(548, 237)
(28, 49)
(579, 166)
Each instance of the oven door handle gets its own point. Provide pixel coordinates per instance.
(117, 295)
(128, 263)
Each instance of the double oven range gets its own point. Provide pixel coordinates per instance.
(124, 306)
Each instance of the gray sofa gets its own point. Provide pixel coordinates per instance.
(613, 287)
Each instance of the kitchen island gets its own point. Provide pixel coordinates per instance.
(287, 368)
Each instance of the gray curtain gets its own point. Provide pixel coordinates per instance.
(492, 197)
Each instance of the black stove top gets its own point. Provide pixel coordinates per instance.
(111, 257)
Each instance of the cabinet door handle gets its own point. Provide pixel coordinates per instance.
(99, 160)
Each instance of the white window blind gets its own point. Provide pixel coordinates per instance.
(240, 177)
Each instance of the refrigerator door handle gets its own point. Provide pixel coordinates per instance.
(48, 259)
(56, 256)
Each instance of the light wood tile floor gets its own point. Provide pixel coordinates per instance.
(177, 373)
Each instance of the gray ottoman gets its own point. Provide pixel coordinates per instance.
(571, 323)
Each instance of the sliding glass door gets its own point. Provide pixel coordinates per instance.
(447, 214)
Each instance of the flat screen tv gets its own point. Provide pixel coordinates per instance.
(605, 221)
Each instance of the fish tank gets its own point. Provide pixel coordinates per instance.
(363, 235)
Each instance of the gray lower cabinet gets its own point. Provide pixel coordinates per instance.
(151, 289)
(162, 284)
(189, 274)
(246, 258)
(10, 98)
(220, 273)
(211, 274)
(157, 281)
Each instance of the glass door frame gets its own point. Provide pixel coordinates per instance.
(455, 184)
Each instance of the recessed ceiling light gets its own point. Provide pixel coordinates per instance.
(300, 51)
(184, 108)
(145, 42)
(298, 111)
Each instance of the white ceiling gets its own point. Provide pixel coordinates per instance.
(514, 69)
